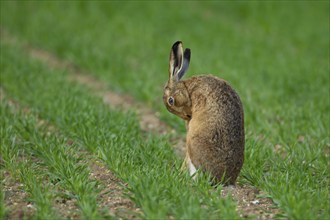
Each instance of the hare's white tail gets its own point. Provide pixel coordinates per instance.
(192, 168)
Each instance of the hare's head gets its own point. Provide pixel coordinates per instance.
(176, 97)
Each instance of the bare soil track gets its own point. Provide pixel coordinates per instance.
(250, 201)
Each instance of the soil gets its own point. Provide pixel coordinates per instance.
(15, 198)
(111, 198)
(250, 201)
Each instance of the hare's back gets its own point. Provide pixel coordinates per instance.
(214, 94)
(217, 111)
(225, 107)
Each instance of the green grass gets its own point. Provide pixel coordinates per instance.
(148, 166)
(14, 155)
(275, 54)
(23, 141)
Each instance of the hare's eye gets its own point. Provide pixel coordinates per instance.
(171, 100)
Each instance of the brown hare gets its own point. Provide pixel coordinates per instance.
(214, 119)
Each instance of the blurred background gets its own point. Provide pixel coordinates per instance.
(274, 53)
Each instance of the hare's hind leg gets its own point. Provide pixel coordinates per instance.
(189, 164)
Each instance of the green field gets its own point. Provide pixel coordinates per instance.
(275, 55)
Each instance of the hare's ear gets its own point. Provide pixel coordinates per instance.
(179, 61)
(185, 64)
(175, 60)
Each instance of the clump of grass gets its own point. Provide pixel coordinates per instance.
(22, 167)
(60, 162)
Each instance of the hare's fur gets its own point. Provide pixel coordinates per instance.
(215, 122)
